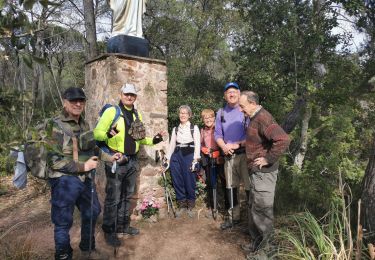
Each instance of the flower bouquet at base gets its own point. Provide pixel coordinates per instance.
(149, 207)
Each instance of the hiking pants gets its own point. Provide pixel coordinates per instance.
(182, 178)
(212, 180)
(119, 190)
(260, 206)
(66, 192)
(236, 172)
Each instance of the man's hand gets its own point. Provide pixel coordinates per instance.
(115, 157)
(260, 162)
(233, 146)
(112, 132)
(159, 137)
(228, 149)
(91, 163)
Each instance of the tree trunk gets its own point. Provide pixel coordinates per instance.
(300, 156)
(89, 17)
(368, 195)
(293, 117)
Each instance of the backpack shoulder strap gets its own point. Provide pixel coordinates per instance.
(192, 130)
(136, 113)
(117, 115)
(222, 119)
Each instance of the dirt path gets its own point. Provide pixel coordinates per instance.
(26, 232)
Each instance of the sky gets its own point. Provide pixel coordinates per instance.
(346, 25)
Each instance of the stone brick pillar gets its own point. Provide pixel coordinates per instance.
(104, 77)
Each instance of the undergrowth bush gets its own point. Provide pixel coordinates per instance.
(329, 237)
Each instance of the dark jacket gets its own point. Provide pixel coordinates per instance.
(265, 138)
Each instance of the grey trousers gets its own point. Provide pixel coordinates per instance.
(260, 206)
(236, 172)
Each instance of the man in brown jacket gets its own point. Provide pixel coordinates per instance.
(266, 141)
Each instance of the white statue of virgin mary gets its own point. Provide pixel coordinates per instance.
(127, 17)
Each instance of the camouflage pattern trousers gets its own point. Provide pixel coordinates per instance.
(260, 206)
(67, 192)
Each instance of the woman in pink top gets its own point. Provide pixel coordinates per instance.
(211, 158)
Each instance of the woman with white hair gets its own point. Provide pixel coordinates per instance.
(183, 155)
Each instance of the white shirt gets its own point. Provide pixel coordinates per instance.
(127, 17)
(183, 137)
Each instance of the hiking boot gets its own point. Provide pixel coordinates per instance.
(64, 254)
(180, 212)
(93, 255)
(229, 224)
(111, 239)
(128, 231)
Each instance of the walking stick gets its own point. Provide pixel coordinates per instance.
(92, 175)
(230, 182)
(114, 170)
(213, 179)
(167, 194)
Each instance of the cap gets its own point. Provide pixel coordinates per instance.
(128, 89)
(74, 93)
(231, 85)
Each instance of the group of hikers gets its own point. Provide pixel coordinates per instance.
(243, 143)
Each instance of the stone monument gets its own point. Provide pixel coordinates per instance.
(104, 77)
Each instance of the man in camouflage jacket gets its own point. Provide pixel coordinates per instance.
(71, 158)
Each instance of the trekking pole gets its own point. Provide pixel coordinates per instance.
(92, 175)
(167, 194)
(168, 197)
(213, 185)
(171, 201)
(165, 191)
(114, 170)
(230, 182)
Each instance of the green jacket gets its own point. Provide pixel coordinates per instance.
(60, 147)
(117, 142)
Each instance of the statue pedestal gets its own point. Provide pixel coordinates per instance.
(130, 45)
(104, 77)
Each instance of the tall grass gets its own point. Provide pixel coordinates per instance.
(17, 244)
(327, 238)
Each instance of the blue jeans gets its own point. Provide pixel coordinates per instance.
(183, 179)
(119, 190)
(66, 192)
